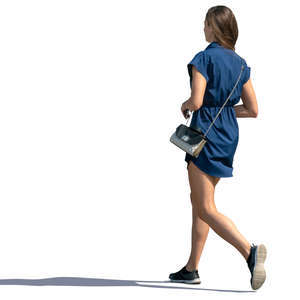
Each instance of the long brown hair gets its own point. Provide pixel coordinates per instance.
(224, 25)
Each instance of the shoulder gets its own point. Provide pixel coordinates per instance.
(200, 61)
(203, 55)
(201, 58)
(247, 69)
(244, 61)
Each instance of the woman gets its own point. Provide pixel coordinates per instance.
(213, 73)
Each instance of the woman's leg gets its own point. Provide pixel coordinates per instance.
(200, 228)
(199, 235)
(202, 190)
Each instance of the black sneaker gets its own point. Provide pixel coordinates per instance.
(185, 276)
(255, 262)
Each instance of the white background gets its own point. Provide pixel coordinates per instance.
(94, 197)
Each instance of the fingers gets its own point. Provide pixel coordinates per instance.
(187, 113)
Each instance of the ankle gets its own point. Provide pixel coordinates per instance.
(248, 253)
(190, 268)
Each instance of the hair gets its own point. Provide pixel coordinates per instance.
(224, 25)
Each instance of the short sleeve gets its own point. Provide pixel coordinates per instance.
(246, 75)
(200, 62)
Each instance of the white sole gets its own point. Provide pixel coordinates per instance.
(259, 273)
(194, 281)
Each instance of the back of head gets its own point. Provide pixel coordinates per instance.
(223, 24)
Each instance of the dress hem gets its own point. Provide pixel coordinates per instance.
(207, 172)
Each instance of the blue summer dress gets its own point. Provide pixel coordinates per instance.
(220, 67)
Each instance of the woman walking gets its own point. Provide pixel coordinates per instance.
(213, 73)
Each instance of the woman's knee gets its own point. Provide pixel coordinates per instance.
(206, 212)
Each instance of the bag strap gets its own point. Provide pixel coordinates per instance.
(225, 101)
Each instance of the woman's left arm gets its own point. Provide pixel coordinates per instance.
(197, 92)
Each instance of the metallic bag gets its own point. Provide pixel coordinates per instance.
(192, 140)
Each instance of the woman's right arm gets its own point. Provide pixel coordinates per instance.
(249, 108)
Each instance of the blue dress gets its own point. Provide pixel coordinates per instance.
(220, 67)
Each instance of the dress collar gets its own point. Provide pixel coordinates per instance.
(213, 45)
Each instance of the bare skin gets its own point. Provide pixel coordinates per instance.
(205, 213)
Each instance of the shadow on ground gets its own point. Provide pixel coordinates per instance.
(80, 281)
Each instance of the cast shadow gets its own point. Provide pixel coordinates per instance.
(82, 281)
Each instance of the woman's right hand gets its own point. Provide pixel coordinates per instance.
(187, 113)
(184, 109)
